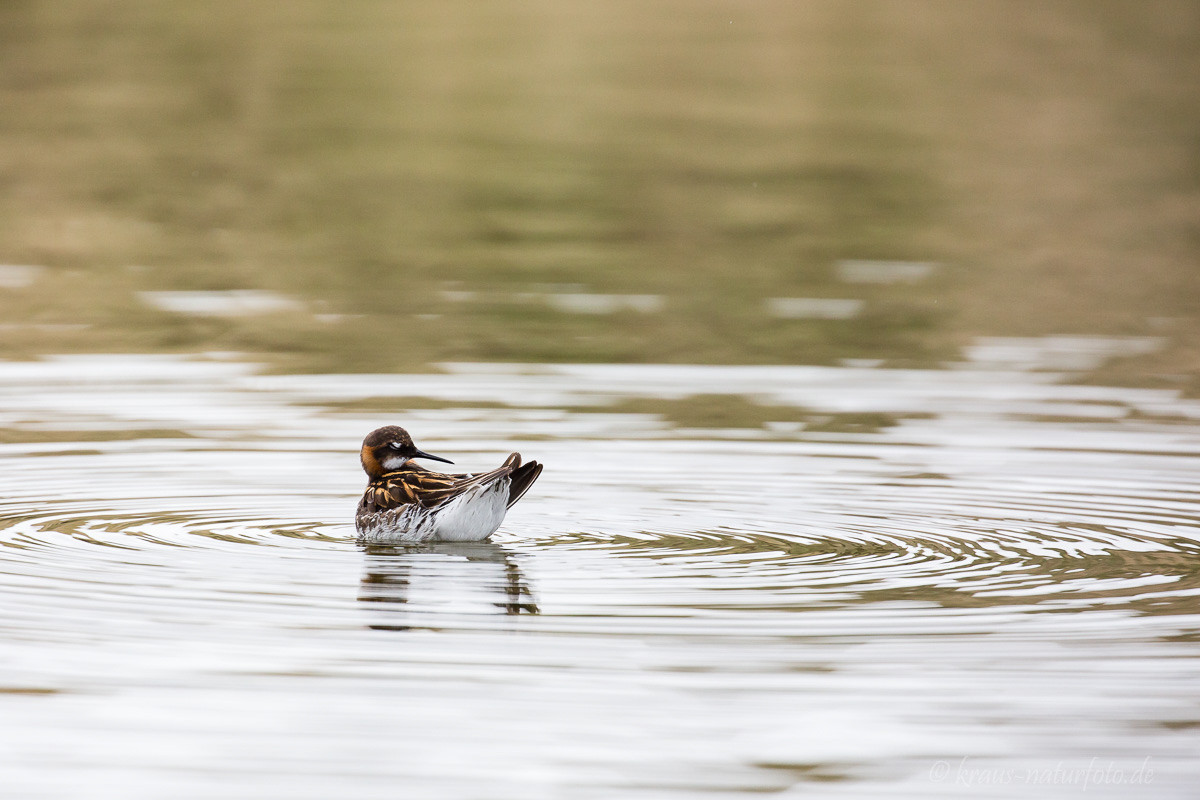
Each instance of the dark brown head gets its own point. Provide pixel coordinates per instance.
(389, 448)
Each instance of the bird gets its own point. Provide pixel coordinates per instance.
(407, 503)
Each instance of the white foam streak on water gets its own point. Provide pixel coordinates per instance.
(232, 303)
(668, 612)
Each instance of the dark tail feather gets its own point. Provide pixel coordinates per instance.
(522, 478)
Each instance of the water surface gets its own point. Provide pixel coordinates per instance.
(992, 592)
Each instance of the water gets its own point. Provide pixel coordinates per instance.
(997, 596)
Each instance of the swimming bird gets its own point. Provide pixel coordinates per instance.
(404, 502)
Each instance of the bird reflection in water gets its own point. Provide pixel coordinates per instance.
(439, 577)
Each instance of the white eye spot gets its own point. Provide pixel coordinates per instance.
(393, 462)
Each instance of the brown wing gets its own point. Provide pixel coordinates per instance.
(415, 484)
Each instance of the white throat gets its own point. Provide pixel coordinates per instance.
(393, 462)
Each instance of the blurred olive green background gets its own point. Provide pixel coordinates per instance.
(380, 161)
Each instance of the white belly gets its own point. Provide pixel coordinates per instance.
(472, 516)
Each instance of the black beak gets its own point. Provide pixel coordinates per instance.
(423, 454)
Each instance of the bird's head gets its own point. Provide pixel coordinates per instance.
(390, 448)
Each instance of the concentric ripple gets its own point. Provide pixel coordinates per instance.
(739, 611)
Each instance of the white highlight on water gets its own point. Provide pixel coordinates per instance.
(813, 307)
(239, 302)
